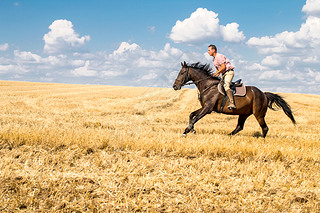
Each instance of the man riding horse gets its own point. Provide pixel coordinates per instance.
(223, 67)
(254, 102)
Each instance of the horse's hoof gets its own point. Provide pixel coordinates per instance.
(184, 135)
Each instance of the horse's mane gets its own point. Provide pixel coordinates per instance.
(203, 67)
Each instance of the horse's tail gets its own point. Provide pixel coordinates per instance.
(278, 101)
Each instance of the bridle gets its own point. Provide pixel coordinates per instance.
(189, 83)
(184, 78)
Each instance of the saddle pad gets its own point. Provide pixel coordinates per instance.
(240, 91)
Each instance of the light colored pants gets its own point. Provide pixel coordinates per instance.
(227, 78)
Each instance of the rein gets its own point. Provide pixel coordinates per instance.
(193, 82)
(196, 82)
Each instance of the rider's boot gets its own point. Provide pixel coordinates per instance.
(231, 99)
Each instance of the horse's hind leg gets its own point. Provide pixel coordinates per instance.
(241, 120)
(263, 126)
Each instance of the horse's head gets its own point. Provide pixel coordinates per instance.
(182, 78)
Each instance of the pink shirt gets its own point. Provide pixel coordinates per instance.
(220, 59)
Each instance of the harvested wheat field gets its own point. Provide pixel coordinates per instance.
(77, 148)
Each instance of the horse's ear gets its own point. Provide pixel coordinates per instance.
(185, 63)
(181, 64)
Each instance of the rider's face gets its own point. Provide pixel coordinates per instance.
(211, 51)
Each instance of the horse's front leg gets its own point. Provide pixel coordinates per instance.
(192, 115)
(198, 114)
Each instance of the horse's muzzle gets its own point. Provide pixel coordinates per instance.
(176, 87)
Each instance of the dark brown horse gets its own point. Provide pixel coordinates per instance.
(254, 102)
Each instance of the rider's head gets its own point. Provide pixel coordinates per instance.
(212, 49)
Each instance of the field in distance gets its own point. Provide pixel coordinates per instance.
(83, 148)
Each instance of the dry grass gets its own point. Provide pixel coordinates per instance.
(69, 148)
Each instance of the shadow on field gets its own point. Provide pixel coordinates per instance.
(257, 134)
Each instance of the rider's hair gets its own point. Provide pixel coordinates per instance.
(213, 47)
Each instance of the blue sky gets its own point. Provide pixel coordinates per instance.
(273, 44)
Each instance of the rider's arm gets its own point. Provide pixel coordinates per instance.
(221, 70)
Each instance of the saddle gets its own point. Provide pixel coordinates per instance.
(237, 88)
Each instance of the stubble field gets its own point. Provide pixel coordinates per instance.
(77, 148)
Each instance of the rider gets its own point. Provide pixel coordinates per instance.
(224, 67)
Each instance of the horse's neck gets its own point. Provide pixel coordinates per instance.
(202, 80)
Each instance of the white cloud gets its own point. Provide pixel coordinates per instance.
(272, 61)
(12, 68)
(307, 37)
(4, 47)
(204, 25)
(78, 62)
(230, 33)
(311, 59)
(125, 47)
(292, 56)
(84, 71)
(129, 64)
(62, 37)
(254, 67)
(113, 73)
(314, 75)
(168, 52)
(277, 75)
(149, 76)
(312, 7)
(27, 56)
(133, 55)
(6, 68)
(55, 61)
(147, 62)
